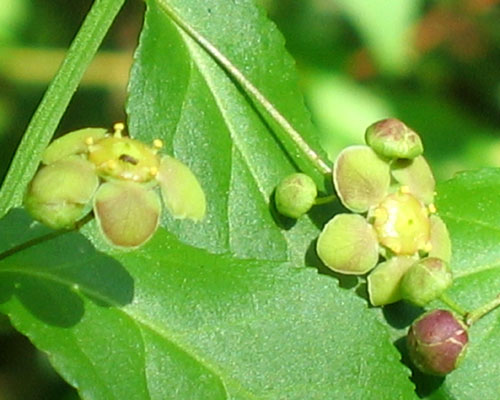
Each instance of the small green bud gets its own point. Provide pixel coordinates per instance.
(402, 223)
(391, 138)
(295, 195)
(426, 280)
(73, 143)
(348, 244)
(127, 213)
(181, 191)
(417, 175)
(437, 342)
(60, 193)
(384, 281)
(361, 178)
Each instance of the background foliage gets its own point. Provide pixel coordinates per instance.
(432, 64)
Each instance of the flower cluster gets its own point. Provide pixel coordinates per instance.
(394, 231)
(115, 176)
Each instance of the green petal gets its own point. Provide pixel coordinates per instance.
(361, 178)
(348, 244)
(391, 138)
(384, 281)
(440, 239)
(182, 193)
(72, 143)
(417, 175)
(60, 193)
(127, 213)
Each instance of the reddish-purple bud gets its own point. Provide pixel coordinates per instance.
(437, 342)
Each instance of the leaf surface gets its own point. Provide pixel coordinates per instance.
(469, 205)
(172, 321)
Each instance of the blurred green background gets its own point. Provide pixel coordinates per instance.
(433, 64)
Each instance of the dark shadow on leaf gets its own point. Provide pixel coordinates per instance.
(401, 314)
(425, 384)
(50, 276)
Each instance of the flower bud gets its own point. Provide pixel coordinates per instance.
(437, 342)
(426, 280)
(393, 139)
(60, 193)
(295, 195)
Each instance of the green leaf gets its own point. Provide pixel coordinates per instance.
(469, 206)
(172, 321)
(213, 122)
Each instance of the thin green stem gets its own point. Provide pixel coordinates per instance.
(303, 147)
(325, 200)
(478, 313)
(55, 101)
(453, 305)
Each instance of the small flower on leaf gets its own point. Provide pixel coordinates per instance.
(391, 184)
(116, 176)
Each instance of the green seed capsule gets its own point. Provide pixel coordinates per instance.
(426, 280)
(295, 195)
(60, 193)
(393, 139)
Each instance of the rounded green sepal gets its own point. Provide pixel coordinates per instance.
(348, 244)
(402, 224)
(391, 138)
(417, 175)
(60, 193)
(426, 280)
(437, 342)
(384, 281)
(295, 195)
(361, 178)
(127, 213)
(72, 143)
(440, 239)
(181, 191)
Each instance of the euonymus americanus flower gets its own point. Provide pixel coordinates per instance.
(117, 177)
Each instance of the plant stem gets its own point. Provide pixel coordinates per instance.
(55, 101)
(453, 305)
(325, 200)
(301, 145)
(478, 313)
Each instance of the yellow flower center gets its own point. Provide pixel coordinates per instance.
(402, 224)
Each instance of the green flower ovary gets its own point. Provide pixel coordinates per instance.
(402, 224)
(124, 158)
